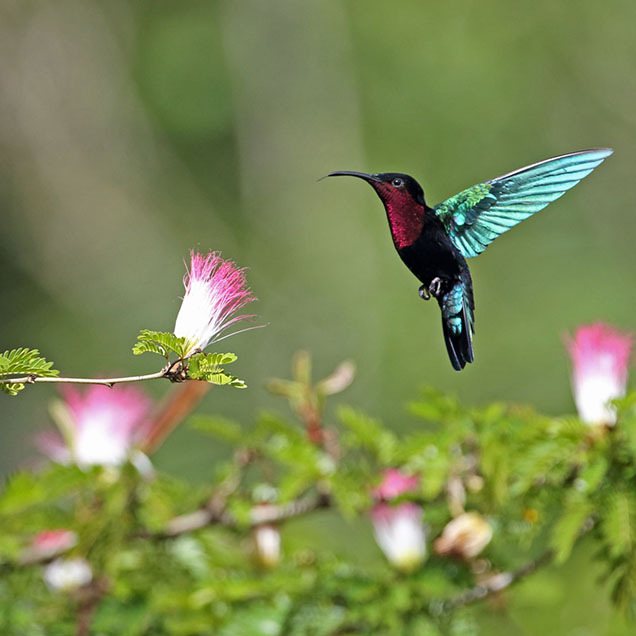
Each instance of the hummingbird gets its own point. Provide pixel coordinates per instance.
(434, 242)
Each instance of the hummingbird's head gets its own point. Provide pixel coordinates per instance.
(394, 188)
(403, 200)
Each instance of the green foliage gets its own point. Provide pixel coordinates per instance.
(23, 362)
(176, 560)
(159, 342)
(576, 510)
(209, 368)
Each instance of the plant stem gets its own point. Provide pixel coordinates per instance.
(36, 379)
(208, 517)
(498, 582)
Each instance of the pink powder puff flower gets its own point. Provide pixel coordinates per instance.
(398, 527)
(395, 483)
(47, 544)
(214, 291)
(600, 357)
(100, 427)
(465, 536)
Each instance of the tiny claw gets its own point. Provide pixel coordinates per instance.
(423, 292)
(435, 286)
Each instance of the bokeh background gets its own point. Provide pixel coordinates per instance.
(132, 131)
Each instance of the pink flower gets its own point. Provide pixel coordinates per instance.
(395, 483)
(100, 427)
(47, 544)
(214, 291)
(398, 528)
(600, 357)
(465, 536)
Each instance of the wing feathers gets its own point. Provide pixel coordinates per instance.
(478, 215)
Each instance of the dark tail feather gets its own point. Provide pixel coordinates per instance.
(457, 322)
(459, 345)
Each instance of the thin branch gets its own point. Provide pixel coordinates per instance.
(89, 599)
(498, 582)
(282, 512)
(36, 379)
(214, 512)
(503, 580)
(272, 513)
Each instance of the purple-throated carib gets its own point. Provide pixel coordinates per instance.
(434, 243)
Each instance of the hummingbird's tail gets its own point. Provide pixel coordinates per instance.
(457, 307)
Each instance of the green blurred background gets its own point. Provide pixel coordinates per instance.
(133, 131)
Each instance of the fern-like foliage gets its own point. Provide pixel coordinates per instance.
(209, 368)
(159, 342)
(23, 362)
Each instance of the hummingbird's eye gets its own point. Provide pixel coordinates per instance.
(397, 182)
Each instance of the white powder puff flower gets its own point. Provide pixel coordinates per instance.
(398, 528)
(66, 575)
(214, 291)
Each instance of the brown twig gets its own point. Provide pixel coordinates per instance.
(36, 379)
(498, 582)
(89, 599)
(503, 580)
(272, 513)
(173, 371)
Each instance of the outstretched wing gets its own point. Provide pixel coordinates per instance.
(475, 217)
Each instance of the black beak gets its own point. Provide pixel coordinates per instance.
(360, 175)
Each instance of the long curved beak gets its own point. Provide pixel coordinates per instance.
(348, 173)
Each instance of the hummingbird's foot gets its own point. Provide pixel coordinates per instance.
(423, 292)
(435, 287)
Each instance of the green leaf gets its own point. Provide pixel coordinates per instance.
(208, 367)
(159, 342)
(24, 490)
(436, 406)
(21, 362)
(617, 522)
(368, 433)
(11, 389)
(624, 589)
(316, 619)
(566, 531)
(256, 619)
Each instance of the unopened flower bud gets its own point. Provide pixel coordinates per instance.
(465, 536)
(267, 544)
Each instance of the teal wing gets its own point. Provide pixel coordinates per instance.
(475, 217)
